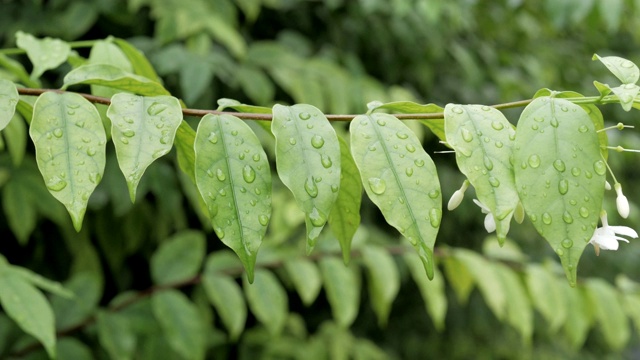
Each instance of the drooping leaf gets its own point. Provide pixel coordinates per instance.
(114, 77)
(308, 162)
(614, 324)
(486, 276)
(143, 129)
(43, 283)
(28, 308)
(546, 295)
(19, 209)
(627, 94)
(179, 258)
(226, 296)
(233, 176)
(305, 277)
(70, 149)
(45, 54)
(432, 291)
(115, 335)
(15, 135)
(180, 322)
(87, 291)
(623, 69)
(16, 68)
(483, 141)
(383, 280)
(141, 66)
(8, 101)
(519, 312)
(560, 183)
(344, 218)
(343, 290)
(400, 178)
(408, 107)
(267, 300)
(184, 141)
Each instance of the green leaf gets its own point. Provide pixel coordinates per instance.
(141, 65)
(486, 276)
(603, 89)
(344, 218)
(267, 300)
(226, 296)
(233, 176)
(8, 100)
(627, 94)
(400, 178)
(29, 309)
(483, 141)
(143, 129)
(623, 69)
(546, 295)
(19, 209)
(343, 290)
(72, 348)
(70, 149)
(408, 107)
(305, 277)
(519, 312)
(579, 317)
(114, 77)
(180, 322)
(308, 162)
(560, 183)
(383, 280)
(613, 322)
(87, 290)
(18, 70)
(432, 291)
(632, 307)
(185, 138)
(15, 135)
(44, 54)
(179, 258)
(115, 335)
(43, 283)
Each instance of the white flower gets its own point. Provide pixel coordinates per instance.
(605, 237)
(489, 222)
(621, 201)
(457, 196)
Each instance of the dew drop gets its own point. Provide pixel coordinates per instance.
(488, 163)
(409, 171)
(533, 218)
(304, 116)
(80, 124)
(559, 165)
(317, 141)
(499, 144)
(402, 135)
(256, 157)
(583, 129)
(434, 217)
(213, 138)
(241, 156)
(564, 108)
(91, 151)
(317, 218)
(263, 220)
(466, 135)
(546, 218)
(56, 184)
(372, 148)
(381, 122)
(129, 133)
(599, 167)
(156, 108)
(326, 161)
(497, 125)
(567, 218)
(248, 174)
(559, 251)
(434, 194)
(257, 191)
(310, 187)
(410, 148)
(292, 141)
(534, 161)
(563, 186)
(554, 122)
(129, 119)
(457, 110)
(575, 171)
(419, 162)
(219, 232)
(57, 133)
(534, 127)
(124, 140)
(220, 175)
(588, 174)
(584, 212)
(253, 202)
(222, 192)
(243, 189)
(377, 186)
(494, 182)
(335, 188)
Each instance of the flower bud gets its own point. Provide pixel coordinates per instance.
(607, 186)
(518, 214)
(457, 196)
(489, 223)
(621, 201)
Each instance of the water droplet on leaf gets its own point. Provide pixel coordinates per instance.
(567, 243)
(248, 174)
(304, 116)
(326, 161)
(317, 141)
(310, 187)
(377, 185)
(567, 218)
(263, 220)
(466, 135)
(563, 186)
(220, 175)
(497, 125)
(534, 161)
(546, 218)
(599, 167)
(156, 108)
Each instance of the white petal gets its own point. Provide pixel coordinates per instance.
(484, 209)
(607, 242)
(489, 223)
(624, 230)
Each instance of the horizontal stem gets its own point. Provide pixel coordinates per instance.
(72, 44)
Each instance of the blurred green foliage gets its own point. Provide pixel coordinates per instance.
(337, 55)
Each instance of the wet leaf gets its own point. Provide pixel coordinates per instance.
(143, 129)
(141, 65)
(483, 140)
(44, 54)
(233, 176)
(400, 178)
(560, 183)
(308, 162)
(70, 149)
(114, 77)
(8, 101)
(623, 69)
(408, 107)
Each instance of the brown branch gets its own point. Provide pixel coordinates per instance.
(267, 117)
